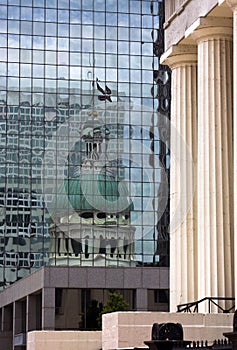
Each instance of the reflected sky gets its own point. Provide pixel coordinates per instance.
(86, 36)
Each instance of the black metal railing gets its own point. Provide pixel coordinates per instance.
(193, 306)
(220, 344)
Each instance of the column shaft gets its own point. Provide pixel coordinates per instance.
(183, 206)
(233, 5)
(235, 144)
(215, 234)
(48, 308)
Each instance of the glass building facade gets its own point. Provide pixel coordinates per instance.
(84, 158)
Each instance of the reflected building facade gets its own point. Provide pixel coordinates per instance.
(84, 167)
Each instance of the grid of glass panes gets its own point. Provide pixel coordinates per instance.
(53, 54)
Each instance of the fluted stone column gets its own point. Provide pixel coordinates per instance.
(233, 5)
(183, 206)
(215, 231)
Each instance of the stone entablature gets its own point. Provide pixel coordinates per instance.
(180, 15)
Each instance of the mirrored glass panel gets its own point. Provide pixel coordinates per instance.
(82, 163)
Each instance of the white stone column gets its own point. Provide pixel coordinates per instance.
(215, 231)
(183, 206)
(233, 5)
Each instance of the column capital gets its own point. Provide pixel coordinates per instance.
(178, 55)
(232, 4)
(205, 28)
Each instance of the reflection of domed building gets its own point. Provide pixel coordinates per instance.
(92, 216)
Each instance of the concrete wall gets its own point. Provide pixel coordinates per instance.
(50, 277)
(130, 329)
(63, 340)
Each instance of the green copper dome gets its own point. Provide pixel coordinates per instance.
(94, 192)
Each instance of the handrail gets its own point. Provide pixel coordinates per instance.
(187, 307)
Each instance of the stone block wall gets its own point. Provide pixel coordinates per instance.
(131, 329)
(64, 340)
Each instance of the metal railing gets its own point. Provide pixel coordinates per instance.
(193, 306)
